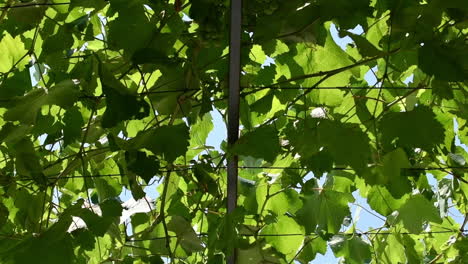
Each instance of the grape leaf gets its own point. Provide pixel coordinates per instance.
(131, 30)
(382, 201)
(168, 141)
(391, 250)
(187, 237)
(354, 249)
(444, 61)
(392, 173)
(264, 138)
(324, 210)
(312, 246)
(16, 84)
(416, 128)
(416, 211)
(73, 125)
(11, 52)
(346, 143)
(284, 225)
(143, 165)
(25, 109)
(118, 95)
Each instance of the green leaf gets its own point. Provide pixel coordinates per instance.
(325, 58)
(167, 141)
(255, 254)
(168, 95)
(131, 30)
(111, 208)
(457, 159)
(186, 236)
(27, 161)
(416, 211)
(324, 211)
(442, 89)
(266, 75)
(202, 173)
(11, 52)
(312, 246)
(58, 43)
(84, 238)
(444, 60)
(37, 248)
(143, 165)
(26, 108)
(319, 162)
(391, 250)
(416, 128)
(15, 85)
(96, 224)
(303, 137)
(252, 254)
(347, 143)
(277, 200)
(73, 125)
(366, 49)
(353, 249)
(117, 95)
(27, 208)
(199, 132)
(61, 6)
(382, 201)
(257, 55)
(266, 143)
(392, 173)
(25, 16)
(347, 14)
(284, 225)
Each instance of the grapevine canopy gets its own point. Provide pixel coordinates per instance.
(104, 98)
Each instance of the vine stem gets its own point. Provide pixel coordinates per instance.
(78, 155)
(163, 214)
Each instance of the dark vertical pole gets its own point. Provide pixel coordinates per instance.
(233, 107)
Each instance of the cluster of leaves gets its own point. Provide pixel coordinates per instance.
(100, 96)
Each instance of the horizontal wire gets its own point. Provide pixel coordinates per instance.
(169, 91)
(315, 235)
(103, 95)
(255, 90)
(33, 5)
(188, 168)
(340, 87)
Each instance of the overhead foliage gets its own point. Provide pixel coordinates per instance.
(98, 97)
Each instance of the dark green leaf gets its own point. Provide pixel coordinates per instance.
(73, 125)
(417, 128)
(141, 164)
(167, 141)
(265, 140)
(353, 249)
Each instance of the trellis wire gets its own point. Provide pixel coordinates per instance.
(32, 5)
(256, 89)
(188, 168)
(315, 235)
